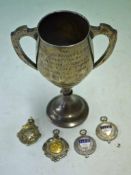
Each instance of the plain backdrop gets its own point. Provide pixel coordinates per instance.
(24, 92)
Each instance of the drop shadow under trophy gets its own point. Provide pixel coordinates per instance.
(64, 56)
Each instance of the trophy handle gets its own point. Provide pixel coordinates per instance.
(111, 33)
(15, 38)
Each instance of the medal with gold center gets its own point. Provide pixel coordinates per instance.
(106, 131)
(56, 147)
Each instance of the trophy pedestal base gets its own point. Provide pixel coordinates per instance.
(67, 111)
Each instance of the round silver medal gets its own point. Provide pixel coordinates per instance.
(106, 131)
(84, 145)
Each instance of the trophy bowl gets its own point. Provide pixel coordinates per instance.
(64, 56)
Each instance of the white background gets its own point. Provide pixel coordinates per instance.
(24, 92)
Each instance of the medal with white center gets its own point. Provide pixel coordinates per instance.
(84, 145)
(106, 131)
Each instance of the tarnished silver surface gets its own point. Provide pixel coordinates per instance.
(56, 147)
(64, 53)
(84, 145)
(106, 131)
(68, 110)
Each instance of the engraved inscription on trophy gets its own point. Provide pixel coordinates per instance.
(64, 56)
(66, 66)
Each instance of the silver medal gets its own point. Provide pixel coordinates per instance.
(84, 145)
(106, 131)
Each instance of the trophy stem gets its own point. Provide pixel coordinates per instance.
(67, 110)
(66, 91)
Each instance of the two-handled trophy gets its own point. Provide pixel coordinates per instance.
(64, 55)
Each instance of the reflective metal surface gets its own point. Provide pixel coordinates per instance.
(84, 145)
(29, 133)
(67, 110)
(64, 52)
(106, 131)
(56, 147)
